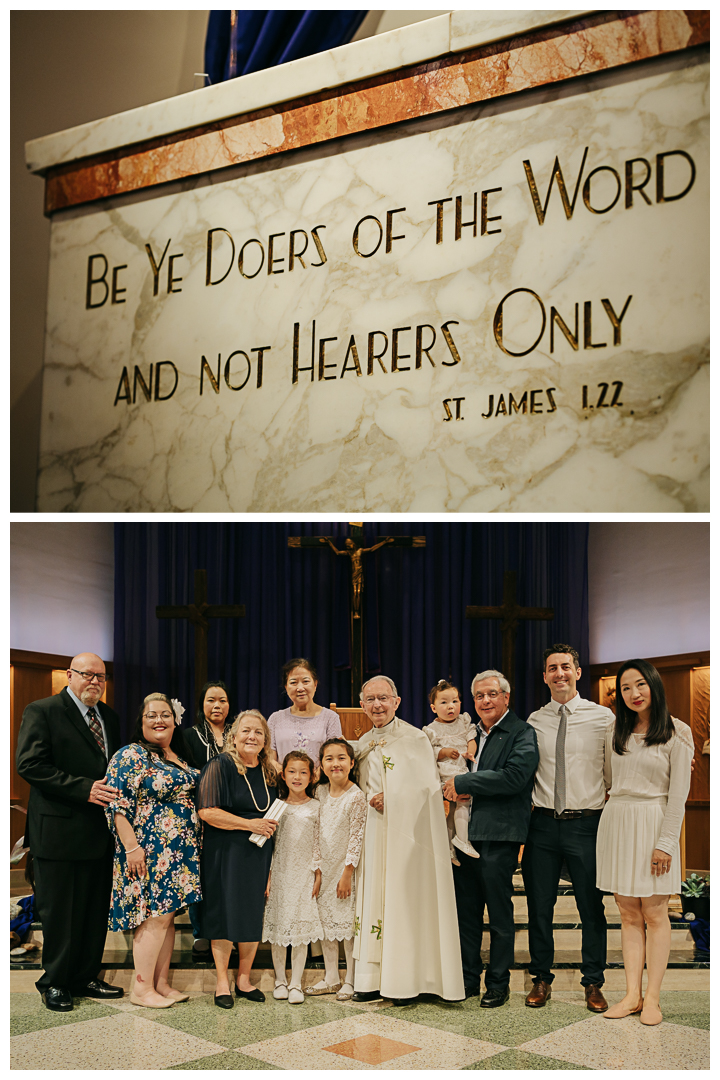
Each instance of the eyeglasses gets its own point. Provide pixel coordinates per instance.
(158, 715)
(381, 700)
(492, 694)
(89, 676)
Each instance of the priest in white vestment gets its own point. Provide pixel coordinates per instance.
(406, 929)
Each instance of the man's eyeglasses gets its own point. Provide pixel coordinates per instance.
(381, 700)
(492, 694)
(89, 676)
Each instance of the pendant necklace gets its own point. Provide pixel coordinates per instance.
(252, 796)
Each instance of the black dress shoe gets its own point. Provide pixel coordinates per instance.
(99, 989)
(250, 995)
(366, 995)
(472, 991)
(57, 1000)
(492, 998)
(224, 1001)
(399, 1002)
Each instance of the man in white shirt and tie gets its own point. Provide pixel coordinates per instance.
(568, 799)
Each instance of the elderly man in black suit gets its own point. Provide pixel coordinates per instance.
(500, 782)
(64, 746)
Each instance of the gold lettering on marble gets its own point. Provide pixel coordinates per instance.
(601, 403)
(271, 260)
(660, 195)
(260, 350)
(498, 322)
(501, 411)
(124, 384)
(534, 403)
(388, 229)
(372, 355)
(484, 219)
(555, 317)
(458, 403)
(585, 397)
(162, 364)
(618, 387)
(116, 290)
(439, 217)
(241, 258)
(448, 412)
(356, 237)
(318, 244)
(459, 223)
(138, 378)
(156, 265)
(551, 399)
(489, 413)
(420, 348)
(296, 353)
(173, 280)
(396, 356)
(630, 186)
(515, 406)
(205, 369)
(227, 373)
(450, 343)
(588, 342)
(209, 256)
(568, 205)
(96, 281)
(322, 365)
(616, 319)
(586, 190)
(292, 253)
(352, 351)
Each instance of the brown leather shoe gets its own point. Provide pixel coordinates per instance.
(594, 999)
(539, 994)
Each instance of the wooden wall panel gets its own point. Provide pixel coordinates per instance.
(354, 722)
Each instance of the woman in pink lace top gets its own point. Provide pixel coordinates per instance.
(305, 725)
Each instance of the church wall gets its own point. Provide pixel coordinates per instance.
(62, 582)
(648, 588)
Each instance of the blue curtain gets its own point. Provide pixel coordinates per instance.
(238, 42)
(297, 603)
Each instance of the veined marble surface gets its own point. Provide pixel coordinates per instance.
(379, 442)
(412, 44)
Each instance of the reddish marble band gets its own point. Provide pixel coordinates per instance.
(551, 55)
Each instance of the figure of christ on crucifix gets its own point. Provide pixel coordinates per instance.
(356, 552)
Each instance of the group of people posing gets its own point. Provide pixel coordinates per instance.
(283, 831)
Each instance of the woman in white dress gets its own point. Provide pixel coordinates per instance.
(648, 757)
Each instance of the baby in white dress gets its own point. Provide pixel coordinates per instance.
(453, 739)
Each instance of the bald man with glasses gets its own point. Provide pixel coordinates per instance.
(64, 746)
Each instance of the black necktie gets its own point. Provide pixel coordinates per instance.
(94, 725)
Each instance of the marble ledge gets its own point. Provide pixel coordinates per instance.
(414, 44)
(549, 55)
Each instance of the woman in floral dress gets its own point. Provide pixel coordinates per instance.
(156, 869)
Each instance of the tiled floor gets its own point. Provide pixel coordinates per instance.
(324, 1034)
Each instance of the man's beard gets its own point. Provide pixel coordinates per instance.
(90, 696)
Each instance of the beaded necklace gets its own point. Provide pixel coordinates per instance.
(252, 796)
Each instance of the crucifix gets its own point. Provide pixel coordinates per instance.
(356, 549)
(198, 613)
(511, 613)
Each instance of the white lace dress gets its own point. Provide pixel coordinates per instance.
(454, 736)
(648, 789)
(291, 912)
(342, 826)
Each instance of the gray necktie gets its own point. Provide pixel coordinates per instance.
(560, 798)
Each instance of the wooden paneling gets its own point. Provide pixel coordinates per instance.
(354, 722)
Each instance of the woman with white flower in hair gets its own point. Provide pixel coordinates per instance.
(156, 869)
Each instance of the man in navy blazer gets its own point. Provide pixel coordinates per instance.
(64, 746)
(500, 782)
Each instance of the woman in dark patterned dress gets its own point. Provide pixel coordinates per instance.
(156, 829)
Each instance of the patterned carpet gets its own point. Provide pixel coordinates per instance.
(324, 1034)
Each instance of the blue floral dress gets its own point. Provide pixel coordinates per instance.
(158, 799)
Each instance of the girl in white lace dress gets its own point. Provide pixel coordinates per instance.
(291, 912)
(343, 809)
(648, 757)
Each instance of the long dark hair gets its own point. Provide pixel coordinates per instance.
(296, 755)
(661, 728)
(351, 754)
(177, 743)
(202, 723)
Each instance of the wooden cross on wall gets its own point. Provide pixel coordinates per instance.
(198, 613)
(511, 613)
(356, 549)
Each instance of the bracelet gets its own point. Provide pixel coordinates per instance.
(128, 851)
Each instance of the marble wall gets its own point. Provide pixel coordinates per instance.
(351, 343)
